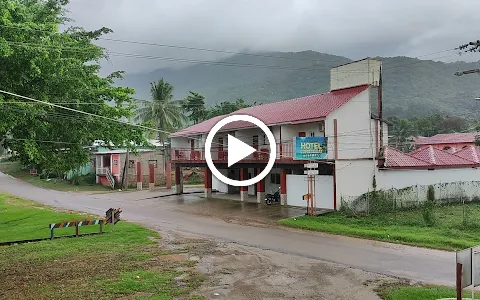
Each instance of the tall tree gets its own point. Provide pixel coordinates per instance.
(162, 111)
(37, 60)
(194, 104)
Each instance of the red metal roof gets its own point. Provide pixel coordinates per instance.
(299, 110)
(447, 138)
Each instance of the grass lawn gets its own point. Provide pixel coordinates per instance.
(125, 263)
(403, 227)
(14, 169)
(402, 292)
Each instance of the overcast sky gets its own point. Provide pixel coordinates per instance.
(350, 28)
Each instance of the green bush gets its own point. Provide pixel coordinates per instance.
(90, 178)
(428, 207)
(76, 179)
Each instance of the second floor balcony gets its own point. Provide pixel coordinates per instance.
(284, 151)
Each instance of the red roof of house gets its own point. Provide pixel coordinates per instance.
(396, 158)
(440, 158)
(428, 157)
(299, 110)
(447, 138)
(471, 153)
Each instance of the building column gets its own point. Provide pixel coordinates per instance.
(208, 183)
(283, 187)
(151, 171)
(260, 189)
(139, 176)
(168, 175)
(178, 181)
(243, 189)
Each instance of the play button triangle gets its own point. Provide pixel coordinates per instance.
(237, 150)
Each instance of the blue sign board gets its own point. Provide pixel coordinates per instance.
(310, 148)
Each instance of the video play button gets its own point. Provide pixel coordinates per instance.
(237, 150)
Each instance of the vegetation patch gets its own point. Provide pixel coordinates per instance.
(124, 262)
(448, 232)
(408, 292)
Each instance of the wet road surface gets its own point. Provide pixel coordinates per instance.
(173, 213)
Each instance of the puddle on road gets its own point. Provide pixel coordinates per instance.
(226, 208)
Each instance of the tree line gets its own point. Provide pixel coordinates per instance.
(167, 114)
(402, 129)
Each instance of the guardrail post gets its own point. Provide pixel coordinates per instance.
(51, 233)
(76, 229)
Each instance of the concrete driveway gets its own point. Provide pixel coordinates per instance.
(169, 213)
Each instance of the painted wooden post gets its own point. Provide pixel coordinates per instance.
(139, 176)
(283, 187)
(243, 189)
(260, 189)
(168, 175)
(208, 183)
(151, 173)
(178, 180)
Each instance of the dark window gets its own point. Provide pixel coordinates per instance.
(255, 140)
(302, 134)
(131, 164)
(275, 178)
(446, 148)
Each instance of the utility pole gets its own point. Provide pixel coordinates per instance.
(380, 113)
(473, 47)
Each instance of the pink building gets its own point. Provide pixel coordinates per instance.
(451, 142)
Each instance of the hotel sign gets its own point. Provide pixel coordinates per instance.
(310, 148)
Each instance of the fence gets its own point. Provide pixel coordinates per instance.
(461, 198)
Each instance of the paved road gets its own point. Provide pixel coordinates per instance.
(429, 266)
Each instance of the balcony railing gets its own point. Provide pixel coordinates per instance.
(102, 171)
(284, 151)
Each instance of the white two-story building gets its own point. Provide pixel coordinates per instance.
(343, 116)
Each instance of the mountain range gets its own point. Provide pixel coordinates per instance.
(411, 87)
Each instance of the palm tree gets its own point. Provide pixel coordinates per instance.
(165, 113)
(195, 105)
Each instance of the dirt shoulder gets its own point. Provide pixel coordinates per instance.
(238, 272)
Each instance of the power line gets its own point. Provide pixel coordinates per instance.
(208, 62)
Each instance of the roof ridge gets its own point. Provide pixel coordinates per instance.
(455, 154)
(307, 96)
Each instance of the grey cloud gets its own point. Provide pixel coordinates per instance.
(355, 29)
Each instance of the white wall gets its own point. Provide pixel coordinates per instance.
(218, 185)
(297, 186)
(386, 179)
(366, 71)
(290, 131)
(354, 132)
(180, 142)
(354, 178)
